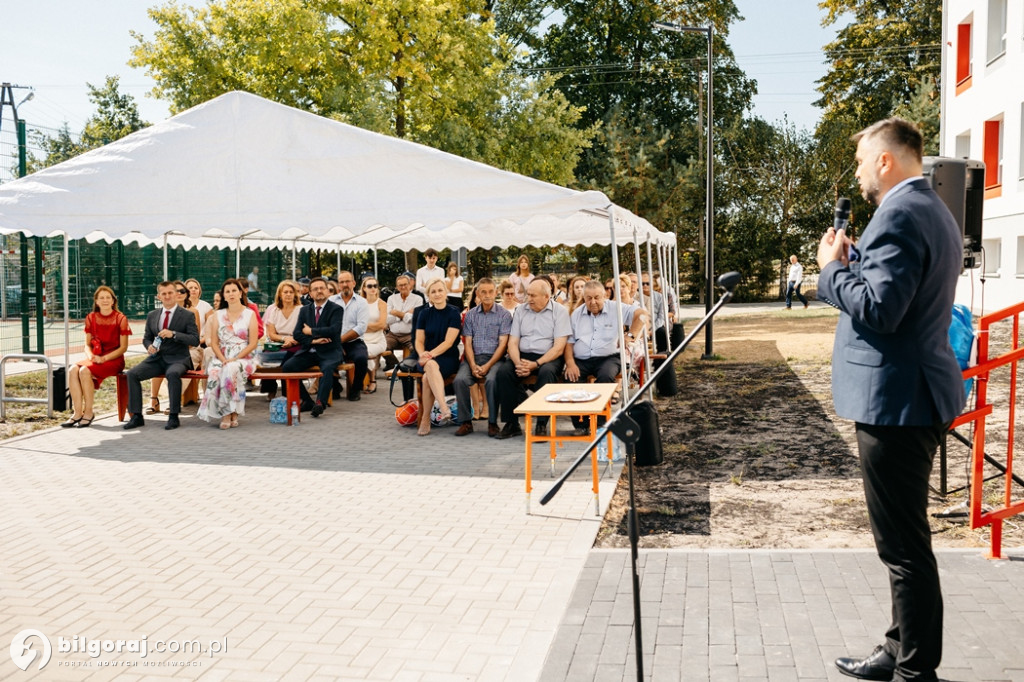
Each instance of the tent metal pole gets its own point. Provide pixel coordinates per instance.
(238, 258)
(375, 276)
(648, 305)
(293, 261)
(67, 319)
(624, 370)
(338, 252)
(165, 256)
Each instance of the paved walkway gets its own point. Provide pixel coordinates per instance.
(346, 548)
(776, 615)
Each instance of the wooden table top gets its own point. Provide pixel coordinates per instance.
(539, 404)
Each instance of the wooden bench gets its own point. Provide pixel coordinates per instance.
(290, 379)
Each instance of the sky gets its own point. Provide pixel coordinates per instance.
(57, 46)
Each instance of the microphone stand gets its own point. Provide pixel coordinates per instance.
(628, 431)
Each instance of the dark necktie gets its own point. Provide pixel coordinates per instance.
(316, 320)
(167, 318)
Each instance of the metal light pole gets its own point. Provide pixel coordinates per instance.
(709, 220)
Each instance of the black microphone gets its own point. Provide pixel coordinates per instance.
(842, 214)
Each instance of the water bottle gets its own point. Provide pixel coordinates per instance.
(157, 342)
(295, 414)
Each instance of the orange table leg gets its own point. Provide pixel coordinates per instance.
(529, 464)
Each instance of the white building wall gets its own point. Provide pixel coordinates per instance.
(996, 91)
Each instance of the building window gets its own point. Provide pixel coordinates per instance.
(990, 255)
(996, 46)
(963, 57)
(1020, 157)
(963, 145)
(1020, 256)
(993, 158)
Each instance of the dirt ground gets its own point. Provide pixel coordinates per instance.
(756, 457)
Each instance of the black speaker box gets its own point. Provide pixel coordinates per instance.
(960, 183)
(648, 448)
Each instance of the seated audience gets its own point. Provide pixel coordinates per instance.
(400, 311)
(536, 344)
(175, 328)
(279, 319)
(485, 337)
(507, 296)
(352, 330)
(235, 337)
(593, 347)
(318, 333)
(437, 337)
(106, 340)
(376, 323)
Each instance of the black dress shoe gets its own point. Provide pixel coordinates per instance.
(878, 666)
(318, 409)
(510, 430)
(172, 423)
(353, 396)
(135, 422)
(305, 406)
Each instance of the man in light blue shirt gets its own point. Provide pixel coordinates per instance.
(593, 347)
(353, 326)
(485, 337)
(536, 343)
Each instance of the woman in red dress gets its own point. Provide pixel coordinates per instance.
(106, 340)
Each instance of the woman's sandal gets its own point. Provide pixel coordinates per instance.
(84, 423)
(154, 406)
(225, 424)
(71, 422)
(372, 388)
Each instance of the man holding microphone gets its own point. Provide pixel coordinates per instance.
(895, 375)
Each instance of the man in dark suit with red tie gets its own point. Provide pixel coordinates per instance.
(170, 330)
(318, 332)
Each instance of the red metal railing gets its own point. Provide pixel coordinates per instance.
(983, 409)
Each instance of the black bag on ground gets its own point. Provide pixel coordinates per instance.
(60, 390)
(648, 448)
(408, 388)
(666, 384)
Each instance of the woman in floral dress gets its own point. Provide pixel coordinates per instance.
(233, 344)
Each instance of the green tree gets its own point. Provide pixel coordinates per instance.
(116, 116)
(880, 59)
(431, 71)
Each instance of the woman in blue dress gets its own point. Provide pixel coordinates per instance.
(437, 344)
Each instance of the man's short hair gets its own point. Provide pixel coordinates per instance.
(165, 283)
(401, 277)
(593, 284)
(896, 134)
(484, 280)
(430, 252)
(318, 279)
(345, 272)
(543, 279)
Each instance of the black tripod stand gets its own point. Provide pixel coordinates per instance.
(628, 431)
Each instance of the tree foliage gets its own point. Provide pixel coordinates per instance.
(881, 59)
(116, 116)
(432, 71)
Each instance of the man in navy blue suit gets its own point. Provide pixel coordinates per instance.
(318, 332)
(895, 375)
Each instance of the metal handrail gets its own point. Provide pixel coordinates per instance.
(31, 357)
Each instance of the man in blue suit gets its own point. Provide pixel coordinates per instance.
(895, 375)
(318, 332)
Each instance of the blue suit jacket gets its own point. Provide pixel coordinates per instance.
(892, 363)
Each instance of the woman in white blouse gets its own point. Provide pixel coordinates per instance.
(279, 323)
(377, 322)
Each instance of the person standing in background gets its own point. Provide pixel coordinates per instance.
(796, 276)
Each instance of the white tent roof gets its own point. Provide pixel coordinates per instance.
(243, 167)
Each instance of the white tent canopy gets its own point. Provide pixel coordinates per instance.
(241, 167)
